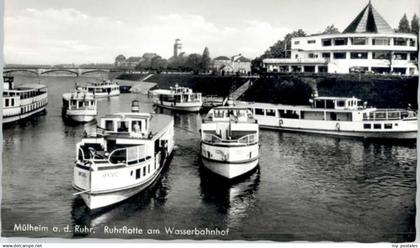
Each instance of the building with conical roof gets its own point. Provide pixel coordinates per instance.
(367, 44)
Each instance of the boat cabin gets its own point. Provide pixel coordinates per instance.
(336, 103)
(79, 100)
(230, 113)
(134, 124)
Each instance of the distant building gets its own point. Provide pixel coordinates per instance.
(177, 47)
(237, 63)
(130, 62)
(368, 44)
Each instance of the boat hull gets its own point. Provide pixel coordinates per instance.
(15, 118)
(397, 135)
(81, 118)
(229, 170)
(181, 107)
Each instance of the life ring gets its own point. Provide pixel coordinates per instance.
(337, 125)
(280, 122)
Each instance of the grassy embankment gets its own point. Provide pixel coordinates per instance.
(379, 91)
(206, 84)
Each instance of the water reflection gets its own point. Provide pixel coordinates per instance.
(232, 199)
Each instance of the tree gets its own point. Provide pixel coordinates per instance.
(331, 30)
(177, 63)
(404, 26)
(205, 60)
(193, 62)
(281, 49)
(158, 64)
(415, 24)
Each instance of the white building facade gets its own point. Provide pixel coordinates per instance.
(368, 44)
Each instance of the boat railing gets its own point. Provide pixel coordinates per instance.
(246, 139)
(388, 115)
(120, 156)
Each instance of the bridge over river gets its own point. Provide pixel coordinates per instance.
(78, 71)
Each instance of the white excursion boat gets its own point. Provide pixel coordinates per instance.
(126, 155)
(177, 98)
(105, 88)
(344, 116)
(23, 101)
(79, 105)
(229, 141)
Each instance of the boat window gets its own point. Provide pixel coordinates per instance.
(122, 126)
(80, 104)
(218, 113)
(73, 102)
(109, 125)
(377, 126)
(13, 102)
(380, 115)
(367, 126)
(6, 104)
(288, 114)
(148, 168)
(259, 111)
(177, 98)
(341, 103)
(144, 171)
(388, 125)
(270, 112)
(330, 104)
(136, 126)
(137, 173)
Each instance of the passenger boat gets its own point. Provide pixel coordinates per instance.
(229, 141)
(22, 101)
(343, 116)
(105, 88)
(79, 105)
(124, 157)
(177, 98)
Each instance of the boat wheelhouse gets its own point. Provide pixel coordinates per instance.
(177, 98)
(22, 101)
(79, 105)
(125, 156)
(343, 116)
(105, 88)
(229, 141)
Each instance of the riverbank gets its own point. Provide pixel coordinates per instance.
(296, 89)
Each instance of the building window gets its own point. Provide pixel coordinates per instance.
(381, 42)
(311, 41)
(339, 55)
(377, 126)
(413, 56)
(381, 55)
(400, 41)
(326, 42)
(367, 126)
(326, 55)
(340, 42)
(358, 55)
(358, 41)
(400, 56)
(412, 42)
(297, 42)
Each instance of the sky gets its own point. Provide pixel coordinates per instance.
(96, 31)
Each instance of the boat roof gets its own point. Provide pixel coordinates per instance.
(294, 107)
(335, 98)
(30, 87)
(80, 95)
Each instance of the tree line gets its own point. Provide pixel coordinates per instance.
(193, 62)
(408, 27)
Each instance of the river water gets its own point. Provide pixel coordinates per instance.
(307, 187)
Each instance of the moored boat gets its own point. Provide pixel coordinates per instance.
(23, 101)
(177, 98)
(124, 157)
(343, 116)
(105, 88)
(229, 141)
(79, 105)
